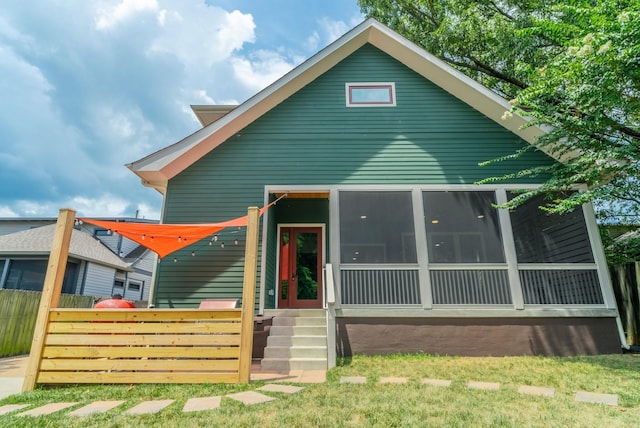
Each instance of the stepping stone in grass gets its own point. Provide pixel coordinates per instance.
(148, 407)
(95, 407)
(436, 382)
(593, 397)
(202, 403)
(483, 385)
(287, 389)
(536, 390)
(393, 380)
(353, 379)
(8, 408)
(47, 409)
(250, 397)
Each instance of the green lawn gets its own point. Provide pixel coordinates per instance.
(385, 405)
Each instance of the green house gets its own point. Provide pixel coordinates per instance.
(373, 146)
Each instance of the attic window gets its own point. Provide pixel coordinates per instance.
(371, 94)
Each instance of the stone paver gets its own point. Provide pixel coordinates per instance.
(250, 397)
(536, 390)
(437, 382)
(594, 397)
(287, 389)
(147, 407)
(202, 403)
(8, 408)
(393, 380)
(96, 407)
(353, 379)
(10, 386)
(483, 385)
(47, 409)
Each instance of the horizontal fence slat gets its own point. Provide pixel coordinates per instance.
(172, 365)
(136, 377)
(142, 346)
(141, 352)
(144, 328)
(142, 339)
(146, 315)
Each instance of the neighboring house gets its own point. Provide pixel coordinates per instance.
(100, 263)
(376, 144)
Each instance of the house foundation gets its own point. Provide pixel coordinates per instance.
(477, 337)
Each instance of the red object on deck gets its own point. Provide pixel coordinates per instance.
(114, 303)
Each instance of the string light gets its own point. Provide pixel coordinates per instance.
(215, 238)
(235, 241)
(143, 236)
(222, 245)
(193, 254)
(179, 239)
(175, 260)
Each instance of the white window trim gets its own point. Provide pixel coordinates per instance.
(374, 85)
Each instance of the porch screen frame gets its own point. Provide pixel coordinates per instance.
(511, 266)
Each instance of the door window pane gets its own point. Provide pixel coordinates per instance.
(462, 227)
(550, 238)
(377, 227)
(307, 265)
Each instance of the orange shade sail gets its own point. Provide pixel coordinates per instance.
(164, 239)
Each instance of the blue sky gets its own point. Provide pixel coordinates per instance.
(87, 86)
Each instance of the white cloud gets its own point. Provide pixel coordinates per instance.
(312, 42)
(122, 11)
(200, 35)
(262, 68)
(89, 86)
(6, 211)
(333, 29)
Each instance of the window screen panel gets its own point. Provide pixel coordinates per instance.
(462, 227)
(376, 227)
(550, 238)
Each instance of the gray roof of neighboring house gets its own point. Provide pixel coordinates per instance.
(38, 241)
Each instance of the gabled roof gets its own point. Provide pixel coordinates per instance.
(156, 169)
(37, 242)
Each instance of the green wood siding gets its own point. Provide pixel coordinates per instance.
(312, 138)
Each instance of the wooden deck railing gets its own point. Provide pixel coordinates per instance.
(142, 346)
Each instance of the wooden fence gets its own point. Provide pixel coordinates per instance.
(141, 346)
(18, 312)
(626, 282)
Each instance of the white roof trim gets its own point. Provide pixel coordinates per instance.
(157, 168)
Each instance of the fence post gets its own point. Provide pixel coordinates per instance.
(50, 292)
(249, 294)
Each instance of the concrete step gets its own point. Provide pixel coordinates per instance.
(291, 321)
(295, 352)
(295, 312)
(296, 341)
(285, 364)
(298, 330)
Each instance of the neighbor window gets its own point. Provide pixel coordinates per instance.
(372, 94)
(377, 227)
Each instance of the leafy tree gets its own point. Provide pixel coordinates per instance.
(573, 67)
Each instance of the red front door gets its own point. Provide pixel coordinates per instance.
(300, 270)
